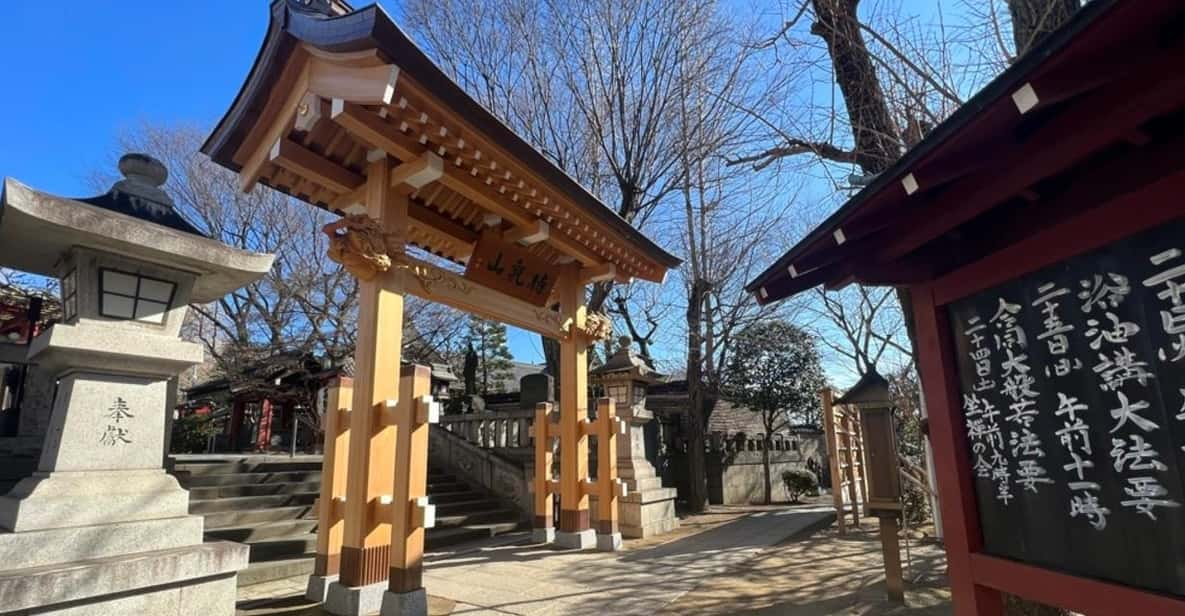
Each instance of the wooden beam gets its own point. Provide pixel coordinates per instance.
(363, 85)
(276, 120)
(313, 167)
(451, 289)
(419, 172)
(373, 130)
(598, 273)
(528, 234)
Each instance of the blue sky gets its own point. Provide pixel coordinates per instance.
(78, 72)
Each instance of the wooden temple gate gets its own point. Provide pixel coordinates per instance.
(439, 200)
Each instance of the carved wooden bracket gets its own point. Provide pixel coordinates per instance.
(359, 243)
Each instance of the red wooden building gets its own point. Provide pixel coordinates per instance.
(1039, 232)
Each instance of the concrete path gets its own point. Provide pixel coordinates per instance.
(532, 580)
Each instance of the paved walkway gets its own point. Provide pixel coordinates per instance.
(823, 575)
(535, 580)
(511, 576)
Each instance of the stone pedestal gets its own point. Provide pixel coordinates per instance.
(349, 600)
(100, 528)
(649, 508)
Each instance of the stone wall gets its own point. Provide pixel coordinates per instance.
(736, 475)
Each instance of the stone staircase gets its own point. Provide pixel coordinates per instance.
(267, 503)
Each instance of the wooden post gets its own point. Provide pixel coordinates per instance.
(236, 423)
(544, 529)
(575, 529)
(367, 542)
(849, 442)
(610, 488)
(951, 464)
(837, 480)
(331, 503)
(891, 549)
(263, 435)
(410, 513)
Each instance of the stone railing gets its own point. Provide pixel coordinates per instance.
(755, 442)
(497, 430)
(506, 478)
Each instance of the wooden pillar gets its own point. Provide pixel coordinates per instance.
(610, 488)
(891, 550)
(366, 549)
(960, 515)
(236, 423)
(833, 459)
(410, 512)
(263, 435)
(574, 528)
(334, 469)
(544, 529)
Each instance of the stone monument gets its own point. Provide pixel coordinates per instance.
(649, 508)
(100, 528)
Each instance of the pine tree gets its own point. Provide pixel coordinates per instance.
(494, 362)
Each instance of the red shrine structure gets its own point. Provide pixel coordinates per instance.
(1039, 234)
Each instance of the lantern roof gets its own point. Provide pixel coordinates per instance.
(627, 363)
(135, 219)
(871, 390)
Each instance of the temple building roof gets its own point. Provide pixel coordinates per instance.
(1093, 110)
(332, 88)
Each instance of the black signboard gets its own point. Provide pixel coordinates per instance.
(1073, 393)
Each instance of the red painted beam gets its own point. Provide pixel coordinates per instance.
(1083, 595)
(1155, 87)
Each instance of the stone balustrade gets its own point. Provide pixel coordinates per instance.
(492, 430)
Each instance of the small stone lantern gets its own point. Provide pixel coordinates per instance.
(649, 508)
(100, 504)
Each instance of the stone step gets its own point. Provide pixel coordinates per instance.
(233, 518)
(241, 503)
(447, 486)
(460, 496)
(462, 507)
(242, 466)
(436, 539)
(284, 547)
(235, 479)
(253, 489)
(476, 517)
(262, 531)
(271, 570)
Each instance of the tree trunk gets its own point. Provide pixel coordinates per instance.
(769, 488)
(877, 141)
(1033, 19)
(698, 398)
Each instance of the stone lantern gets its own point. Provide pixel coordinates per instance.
(100, 522)
(649, 508)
